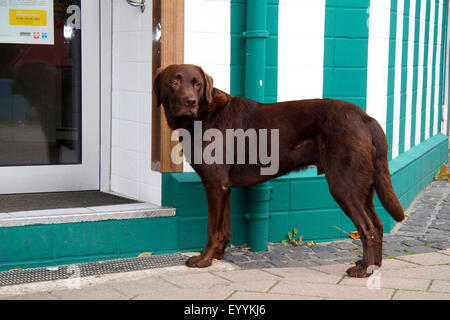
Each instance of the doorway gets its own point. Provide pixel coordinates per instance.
(50, 102)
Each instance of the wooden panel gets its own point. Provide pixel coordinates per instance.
(171, 52)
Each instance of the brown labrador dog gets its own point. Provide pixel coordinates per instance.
(336, 136)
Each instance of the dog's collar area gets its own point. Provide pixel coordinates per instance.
(187, 125)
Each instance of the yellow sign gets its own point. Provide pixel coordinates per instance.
(22, 17)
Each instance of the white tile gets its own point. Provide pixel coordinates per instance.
(144, 137)
(128, 135)
(126, 46)
(127, 74)
(292, 51)
(128, 165)
(297, 20)
(145, 77)
(128, 188)
(307, 85)
(210, 16)
(45, 213)
(145, 46)
(145, 108)
(125, 105)
(216, 52)
(150, 193)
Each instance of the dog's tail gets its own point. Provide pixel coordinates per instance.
(383, 183)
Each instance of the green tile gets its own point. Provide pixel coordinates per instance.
(84, 239)
(316, 224)
(311, 194)
(147, 235)
(26, 243)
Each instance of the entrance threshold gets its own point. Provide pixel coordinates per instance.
(73, 207)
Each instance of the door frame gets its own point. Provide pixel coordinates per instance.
(84, 176)
(105, 94)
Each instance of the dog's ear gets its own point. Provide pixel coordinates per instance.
(156, 86)
(209, 86)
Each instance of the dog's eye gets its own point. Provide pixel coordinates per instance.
(174, 83)
(197, 84)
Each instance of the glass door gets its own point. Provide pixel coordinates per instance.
(49, 95)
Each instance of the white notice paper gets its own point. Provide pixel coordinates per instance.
(26, 21)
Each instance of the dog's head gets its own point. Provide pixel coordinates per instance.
(184, 90)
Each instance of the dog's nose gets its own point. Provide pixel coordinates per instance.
(191, 101)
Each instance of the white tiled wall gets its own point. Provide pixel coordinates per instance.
(131, 174)
(207, 41)
(378, 60)
(301, 24)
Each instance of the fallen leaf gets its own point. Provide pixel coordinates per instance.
(300, 239)
(354, 235)
(145, 254)
(15, 269)
(215, 260)
(246, 249)
(351, 262)
(232, 246)
(284, 261)
(311, 243)
(406, 214)
(299, 260)
(181, 254)
(431, 199)
(353, 249)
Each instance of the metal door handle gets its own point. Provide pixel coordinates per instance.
(137, 4)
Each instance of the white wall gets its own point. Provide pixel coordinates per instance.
(131, 174)
(301, 27)
(378, 60)
(207, 41)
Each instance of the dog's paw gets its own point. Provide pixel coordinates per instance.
(198, 262)
(358, 271)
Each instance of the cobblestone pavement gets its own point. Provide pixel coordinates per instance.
(426, 229)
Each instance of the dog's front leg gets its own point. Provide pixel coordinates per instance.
(219, 231)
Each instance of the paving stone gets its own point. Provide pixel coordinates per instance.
(270, 296)
(236, 258)
(322, 262)
(203, 280)
(320, 248)
(392, 253)
(438, 272)
(393, 246)
(440, 245)
(412, 243)
(421, 249)
(379, 280)
(292, 286)
(98, 292)
(343, 245)
(440, 286)
(417, 295)
(428, 259)
(256, 264)
(306, 275)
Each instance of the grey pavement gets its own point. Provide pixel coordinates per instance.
(416, 265)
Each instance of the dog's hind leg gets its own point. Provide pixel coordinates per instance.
(352, 198)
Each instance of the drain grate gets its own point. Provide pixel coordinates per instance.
(9, 278)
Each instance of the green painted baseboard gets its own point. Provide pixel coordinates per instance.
(299, 200)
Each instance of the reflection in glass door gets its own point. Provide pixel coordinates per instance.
(40, 97)
(49, 104)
